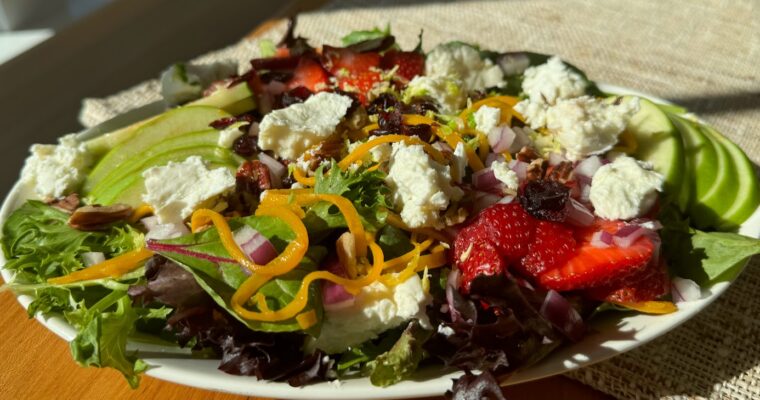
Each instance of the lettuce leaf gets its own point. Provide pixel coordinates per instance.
(361, 36)
(402, 359)
(39, 244)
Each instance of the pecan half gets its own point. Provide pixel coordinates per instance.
(95, 217)
(537, 169)
(562, 172)
(325, 151)
(527, 154)
(68, 203)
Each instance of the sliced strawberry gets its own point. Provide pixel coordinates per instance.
(477, 257)
(553, 244)
(360, 83)
(344, 62)
(594, 267)
(409, 63)
(509, 228)
(650, 284)
(309, 74)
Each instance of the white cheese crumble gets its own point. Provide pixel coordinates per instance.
(228, 135)
(444, 90)
(624, 189)
(585, 126)
(545, 85)
(458, 163)
(55, 170)
(290, 131)
(487, 118)
(464, 62)
(445, 330)
(177, 189)
(376, 309)
(420, 186)
(505, 175)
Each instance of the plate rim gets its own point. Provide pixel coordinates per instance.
(176, 370)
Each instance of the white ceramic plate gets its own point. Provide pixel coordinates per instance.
(612, 335)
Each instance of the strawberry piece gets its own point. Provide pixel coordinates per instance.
(553, 244)
(310, 75)
(649, 284)
(477, 257)
(594, 267)
(509, 228)
(360, 84)
(344, 62)
(409, 63)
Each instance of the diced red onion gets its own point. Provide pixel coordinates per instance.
(601, 239)
(92, 258)
(560, 313)
(684, 290)
(521, 140)
(501, 138)
(275, 87)
(150, 222)
(651, 224)
(276, 170)
(253, 130)
(628, 235)
(491, 157)
(578, 214)
(506, 200)
(442, 146)
(585, 193)
(335, 297)
(484, 200)
(588, 167)
(520, 168)
(255, 245)
(556, 158)
(485, 179)
(452, 283)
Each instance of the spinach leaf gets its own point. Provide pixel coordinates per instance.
(361, 36)
(401, 360)
(394, 242)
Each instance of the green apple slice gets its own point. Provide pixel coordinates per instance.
(133, 183)
(172, 123)
(208, 137)
(710, 208)
(659, 143)
(746, 198)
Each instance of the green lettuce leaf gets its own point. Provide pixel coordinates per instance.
(402, 359)
(361, 36)
(220, 279)
(39, 244)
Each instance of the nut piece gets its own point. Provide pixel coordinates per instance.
(537, 169)
(527, 154)
(68, 203)
(94, 218)
(346, 249)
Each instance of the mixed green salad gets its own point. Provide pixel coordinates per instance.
(366, 211)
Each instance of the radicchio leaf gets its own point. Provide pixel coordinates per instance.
(475, 387)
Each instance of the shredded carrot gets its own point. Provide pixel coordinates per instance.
(110, 268)
(651, 307)
(363, 148)
(299, 176)
(140, 212)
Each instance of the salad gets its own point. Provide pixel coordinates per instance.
(367, 211)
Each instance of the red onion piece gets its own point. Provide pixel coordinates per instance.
(506, 200)
(442, 146)
(585, 193)
(92, 258)
(335, 297)
(491, 157)
(255, 245)
(560, 313)
(556, 158)
(501, 138)
(578, 214)
(628, 235)
(520, 168)
(521, 140)
(601, 239)
(485, 179)
(253, 130)
(275, 167)
(684, 290)
(588, 167)
(484, 200)
(452, 283)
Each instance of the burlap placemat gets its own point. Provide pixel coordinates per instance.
(701, 54)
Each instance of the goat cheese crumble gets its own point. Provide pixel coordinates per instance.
(486, 118)
(420, 186)
(444, 90)
(463, 62)
(55, 170)
(505, 175)
(376, 309)
(290, 131)
(624, 189)
(177, 189)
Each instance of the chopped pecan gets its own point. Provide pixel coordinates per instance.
(527, 154)
(324, 151)
(562, 172)
(68, 203)
(455, 216)
(253, 177)
(95, 217)
(345, 246)
(537, 169)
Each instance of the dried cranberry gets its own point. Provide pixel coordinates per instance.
(383, 102)
(545, 199)
(420, 105)
(423, 131)
(246, 146)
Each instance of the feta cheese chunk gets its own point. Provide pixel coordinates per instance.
(487, 118)
(624, 189)
(545, 85)
(228, 135)
(505, 175)
(585, 126)
(420, 186)
(444, 90)
(177, 189)
(464, 62)
(289, 131)
(55, 170)
(376, 309)
(458, 163)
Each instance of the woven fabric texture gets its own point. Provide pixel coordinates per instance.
(702, 54)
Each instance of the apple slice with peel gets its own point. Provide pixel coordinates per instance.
(745, 199)
(708, 210)
(659, 143)
(208, 137)
(172, 123)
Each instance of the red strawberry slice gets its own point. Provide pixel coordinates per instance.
(553, 244)
(309, 74)
(649, 284)
(344, 62)
(360, 83)
(478, 257)
(594, 267)
(509, 228)
(409, 63)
